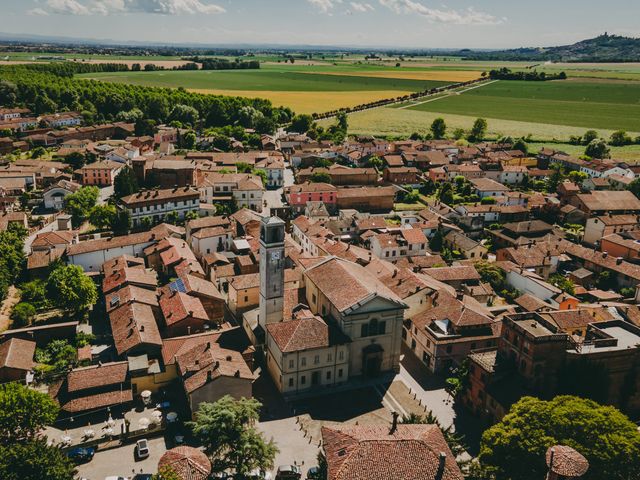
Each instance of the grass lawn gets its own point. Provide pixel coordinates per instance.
(394, 122)
(608, 105)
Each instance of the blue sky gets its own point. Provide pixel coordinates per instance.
(390, 23)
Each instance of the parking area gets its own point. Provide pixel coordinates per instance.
(121, 461)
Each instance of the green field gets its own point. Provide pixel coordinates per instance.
(258, 80)
(610, 105)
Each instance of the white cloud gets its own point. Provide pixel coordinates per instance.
(108, 7)
(67, 7)
(469, 16)
(38, 12)
(361, 7)
(324, 6)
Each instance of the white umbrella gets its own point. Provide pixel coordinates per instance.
(111, 422)
(109, 432)
(157, 415)
(146, 394)
(89, 433)
(144, 422)
(172, 416)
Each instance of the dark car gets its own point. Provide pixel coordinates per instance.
(313, 473)
(142, 476)
(288, 472)
(81, 455)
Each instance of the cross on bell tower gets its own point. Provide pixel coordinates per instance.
(271, 270)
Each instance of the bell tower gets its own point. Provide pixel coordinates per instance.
(271, 270)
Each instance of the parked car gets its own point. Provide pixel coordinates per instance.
(81, 455)
(115, 477)
(142, 448)
(313, 473)
(288, 472)
(142, 476)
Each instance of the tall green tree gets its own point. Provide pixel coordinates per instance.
(227, 430)
(12, 256)
(71, 289)
(597, 148)
(24, 412)
(76, 160)
(102, 216)
(620, 138)
(478, 130)
(514, 448)
(589, 136)
(80, 203)
(121, 223)
(34, 460)
(301, 123)
(125, 183)
(438, 128)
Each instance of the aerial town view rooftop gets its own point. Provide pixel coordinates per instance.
(319, 240)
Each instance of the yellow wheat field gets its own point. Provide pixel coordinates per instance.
(309, 102)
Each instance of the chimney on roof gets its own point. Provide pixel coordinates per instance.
(394, 422)
(217, 364)
(395, 273)
(207, 346)
(459, 295)
(605, 254)
(619, 261)
(142, 328)
(237, 374)
(209, 377)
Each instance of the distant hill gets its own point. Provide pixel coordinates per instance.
(604, 48)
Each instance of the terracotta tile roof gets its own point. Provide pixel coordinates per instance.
(610, 200)
(200, 287)
(346, 284)
(133, 325)
(158, 196)
(371, 223)
(208, 361)
(17, 353)
(413, 236)
(401, 281)
(205, 222)
(305, 332)
(488, 185)
(566, 462)
(311, 187)
(243, 282)
(531, 303)
(187, 463)
(366, 192)
(98, 400)
(449, 308)
(176, 306)
(130, 293)
(117, 242)
(412, 452)
(123, 261)
(128, 276)
(569, 320)
(457, 273)
(52, 239)
(97, 376)
(208, 232)
(43, 258)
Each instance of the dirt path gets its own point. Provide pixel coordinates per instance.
(13, 297)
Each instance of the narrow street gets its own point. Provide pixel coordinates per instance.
(274, 197)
